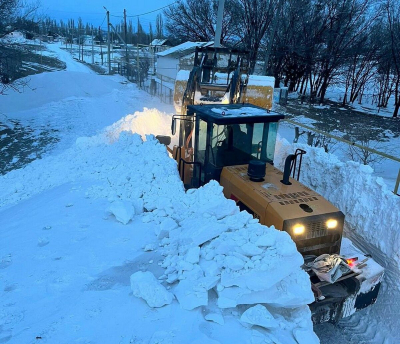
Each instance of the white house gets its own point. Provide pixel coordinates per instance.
(157, 45)
(170, 61)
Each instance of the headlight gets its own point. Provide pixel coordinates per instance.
(331, 224)
(298, 229)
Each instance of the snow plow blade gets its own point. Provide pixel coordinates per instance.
(350, 293)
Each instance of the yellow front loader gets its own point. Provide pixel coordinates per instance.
(230, 136)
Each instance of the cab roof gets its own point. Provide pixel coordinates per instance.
(223, 114)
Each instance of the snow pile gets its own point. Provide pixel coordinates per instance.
(219, 258)
(142, 123)
(15, 37)
(371, 209)
(86, 160)
(246, 262)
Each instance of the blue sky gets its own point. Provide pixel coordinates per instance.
(92, 11)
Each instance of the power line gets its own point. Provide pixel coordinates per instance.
(142, 14)
(103, 20)
(158, 9)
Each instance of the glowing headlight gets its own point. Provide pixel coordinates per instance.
(331, 224)
(298, 229)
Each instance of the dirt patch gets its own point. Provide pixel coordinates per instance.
(356, 125)
(21, 60)
(20, 145)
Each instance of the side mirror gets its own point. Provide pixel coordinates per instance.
(173, 126)
(165, 140)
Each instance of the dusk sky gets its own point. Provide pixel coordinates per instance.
(92, 11)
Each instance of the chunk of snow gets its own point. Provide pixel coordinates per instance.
(190, 294)
(147, 287)
(234, 263)
(259, 315)
(250, 249)
(122, 210)
(192, 255)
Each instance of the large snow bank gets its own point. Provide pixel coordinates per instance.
(216, 257)
(372, 211)
(51, 87)
(85, 159)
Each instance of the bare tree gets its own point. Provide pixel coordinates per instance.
(254, 19)
(159, 26)
(360, 63)
(346, 21)
(365, 156)
(393, 14)
(195, 20)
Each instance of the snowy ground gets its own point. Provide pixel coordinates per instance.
(66, 258)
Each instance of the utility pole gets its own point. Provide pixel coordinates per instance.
(79, 45)
(218, 29)
(137, 64)
(126, 43)
(92, 47)
(108, 40)
(101, 44)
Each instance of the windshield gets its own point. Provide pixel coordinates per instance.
(237, 144)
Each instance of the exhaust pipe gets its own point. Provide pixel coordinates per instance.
(286, 171)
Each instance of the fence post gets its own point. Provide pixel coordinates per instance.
(396, 188)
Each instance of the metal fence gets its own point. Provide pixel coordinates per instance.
(157, 88)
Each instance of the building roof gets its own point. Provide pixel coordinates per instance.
(159, 41)
(183, 49)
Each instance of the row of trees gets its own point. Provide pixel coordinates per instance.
(307, 44)
(134, 34)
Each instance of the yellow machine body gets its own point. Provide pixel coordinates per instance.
(294, 208)
(259, 91)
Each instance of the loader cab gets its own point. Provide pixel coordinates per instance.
(227, 135)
